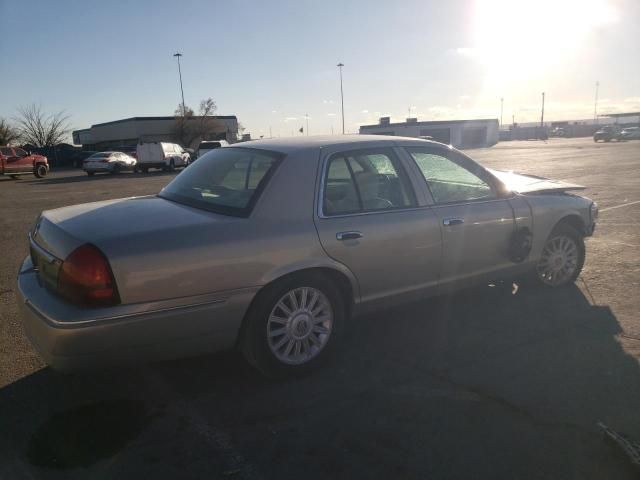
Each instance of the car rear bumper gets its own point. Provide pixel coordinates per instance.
(87, 338)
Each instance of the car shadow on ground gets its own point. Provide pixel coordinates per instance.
(486, 381)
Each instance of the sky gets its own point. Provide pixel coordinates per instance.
(271, 63)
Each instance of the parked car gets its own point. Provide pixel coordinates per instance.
(17, 161)
(162, 155)
(630, 133)
(209, 145)
(272, 245)
(108, 162)
(607, 133)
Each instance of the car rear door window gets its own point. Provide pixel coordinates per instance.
(365, 181)
(7, 152)
(449, 181)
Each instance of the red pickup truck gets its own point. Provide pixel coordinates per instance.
(16, 161)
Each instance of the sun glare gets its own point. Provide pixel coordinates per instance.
(520, 38)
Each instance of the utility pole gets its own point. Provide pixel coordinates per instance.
(178, 55)
(306, 115)
(340, 65)
(595, 105)
(513, 120)
(542, 114)
(501, 109)
(270, 133)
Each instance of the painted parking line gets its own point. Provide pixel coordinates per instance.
(619, 206)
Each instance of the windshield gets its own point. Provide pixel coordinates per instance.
(226, 181)
(209, 145)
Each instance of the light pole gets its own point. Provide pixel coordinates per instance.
(306, 116)
(595, 105)
(501, 109)
(340, 65)
(178, 55)
(542, 114)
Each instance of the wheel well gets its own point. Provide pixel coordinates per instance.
(341, 280)
(573, 221)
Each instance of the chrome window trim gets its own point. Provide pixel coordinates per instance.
(319, 197)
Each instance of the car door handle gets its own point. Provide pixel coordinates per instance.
(351, 235)
(449, 222)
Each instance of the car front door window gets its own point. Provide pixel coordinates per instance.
(450, 182)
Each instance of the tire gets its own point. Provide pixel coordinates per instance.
(15, 177)
(571, 261)
(116, 169)
(172, 165)
(91, 174)
(317, 338)
(144, 169)
(40, 171)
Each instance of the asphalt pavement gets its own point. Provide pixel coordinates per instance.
(494, 382)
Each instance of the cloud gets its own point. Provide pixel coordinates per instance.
(464, 98)
(466, 51)
(290, 119)
(274, 111)
(365, 111)
(331, 114)
(327, 102)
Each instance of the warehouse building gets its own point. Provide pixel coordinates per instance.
(459, 133)
(131, 131)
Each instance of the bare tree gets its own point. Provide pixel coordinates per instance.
(190, 129)
(8, 133)
(40, 129)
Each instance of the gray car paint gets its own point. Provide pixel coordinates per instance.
(168, 257)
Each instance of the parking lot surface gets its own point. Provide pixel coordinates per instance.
(494, 382)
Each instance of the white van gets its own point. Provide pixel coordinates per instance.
(167, 156)
(209, 145)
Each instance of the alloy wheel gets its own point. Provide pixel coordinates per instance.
(299, 325)
(559, 260)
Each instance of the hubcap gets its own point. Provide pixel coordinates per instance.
(559, 260)
(299, 325)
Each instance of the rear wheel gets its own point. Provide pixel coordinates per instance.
(40, 171)
(91, 174)
(562, 257)
(293, 325)
(116, 169)
(15, 177)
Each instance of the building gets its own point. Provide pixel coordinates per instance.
(459, 133)
(131, 131)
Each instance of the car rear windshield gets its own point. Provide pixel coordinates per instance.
(225, 180)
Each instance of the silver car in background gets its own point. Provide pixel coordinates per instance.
(108, 162)
(272, 245)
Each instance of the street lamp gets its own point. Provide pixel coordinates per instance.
(340, 65)
(178, 55)
(501, 109)
(595, 105)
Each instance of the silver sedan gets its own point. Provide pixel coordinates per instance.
(271, 246)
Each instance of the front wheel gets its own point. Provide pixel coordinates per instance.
(562, 257)
(40, 171)
(293, 325)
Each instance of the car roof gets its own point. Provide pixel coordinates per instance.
(296, 144)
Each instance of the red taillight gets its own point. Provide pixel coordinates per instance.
(85, 278)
